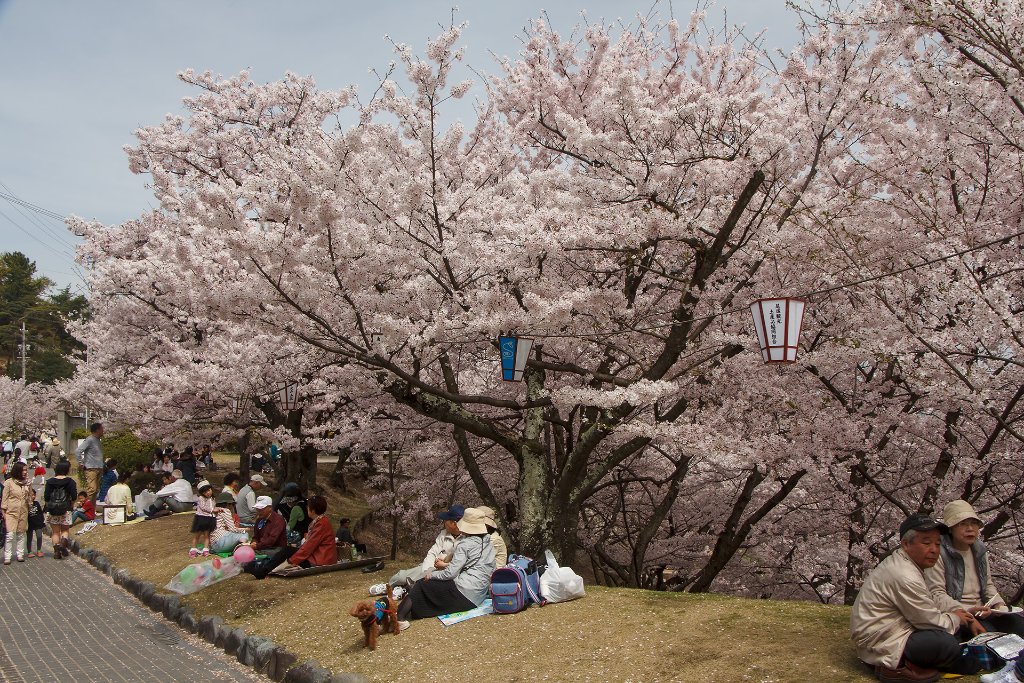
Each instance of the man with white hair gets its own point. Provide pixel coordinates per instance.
(897, 625)
(175, 496)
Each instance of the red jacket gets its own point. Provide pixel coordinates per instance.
(273, 534)
(320, 547)
(89, 509)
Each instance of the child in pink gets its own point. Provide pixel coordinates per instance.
(205, 520)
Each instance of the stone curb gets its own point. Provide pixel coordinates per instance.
(261, 654)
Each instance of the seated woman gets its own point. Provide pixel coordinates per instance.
(109, 479)
(319, 548)
(121, 494)
(463, 583)
(961, 578)
(294, 507)
(227, 535)
(500, 549)
(346, 538)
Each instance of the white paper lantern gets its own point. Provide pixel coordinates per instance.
(239, 405)
(777, 323)
(288, 395)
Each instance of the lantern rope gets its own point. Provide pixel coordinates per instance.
(738, 309)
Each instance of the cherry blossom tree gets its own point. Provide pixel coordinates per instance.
(27, 408)
(620, 197)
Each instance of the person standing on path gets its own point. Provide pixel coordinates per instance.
(23, 445)
(90, 458)
(36, 524)
(15, 507)
(52, 452)
(58, 496)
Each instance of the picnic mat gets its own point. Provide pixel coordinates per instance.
(459, 617)
(294, 572)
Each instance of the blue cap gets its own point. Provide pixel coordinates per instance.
(453, 514)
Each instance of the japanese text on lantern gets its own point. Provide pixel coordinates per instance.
(508, 349)
(775, 319)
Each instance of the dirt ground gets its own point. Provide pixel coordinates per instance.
(610, 635)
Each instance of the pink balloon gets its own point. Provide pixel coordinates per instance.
(216, 563)
(244, 553)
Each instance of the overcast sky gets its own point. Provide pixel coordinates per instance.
(79, 77)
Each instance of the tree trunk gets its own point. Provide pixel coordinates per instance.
(394, 536)
(858, 523)
(733, 536)
(338, 475)
(300, 467)
(243, 455)
(543, 523)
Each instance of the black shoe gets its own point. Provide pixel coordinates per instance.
(375, 567)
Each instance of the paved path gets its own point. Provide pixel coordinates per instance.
(61, 620)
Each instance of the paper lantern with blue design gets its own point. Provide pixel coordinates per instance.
(515, 351)
(777, 323)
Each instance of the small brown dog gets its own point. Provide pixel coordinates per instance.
(377, 616)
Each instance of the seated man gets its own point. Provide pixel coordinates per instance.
(84, 510)
(245, 499)
(437, 557)
(269, 537)
(895, 622)
(175, 496)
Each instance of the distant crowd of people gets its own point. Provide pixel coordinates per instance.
(283, 528)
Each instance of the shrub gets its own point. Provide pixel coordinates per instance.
(128, 450)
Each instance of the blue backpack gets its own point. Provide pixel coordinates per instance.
(515, 586)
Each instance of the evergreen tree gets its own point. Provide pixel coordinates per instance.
(24, 299)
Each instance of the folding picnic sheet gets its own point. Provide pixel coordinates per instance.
(459, 617)
(294, 572)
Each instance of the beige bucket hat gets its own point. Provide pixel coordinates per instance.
(488, 514)
(472, 522)
(957, 511)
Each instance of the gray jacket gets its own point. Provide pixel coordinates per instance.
(243, 505)
(946, 579)
(471, 567)
(90, 454)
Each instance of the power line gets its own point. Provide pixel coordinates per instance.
(17, 203)
(738, 309)
(30, 205)
(33, 236)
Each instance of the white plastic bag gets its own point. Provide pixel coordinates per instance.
(559, 584)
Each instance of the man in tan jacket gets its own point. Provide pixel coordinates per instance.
(896, 624)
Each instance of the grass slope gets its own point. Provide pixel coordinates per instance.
(610, 635)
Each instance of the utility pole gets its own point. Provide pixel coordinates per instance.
(24, 351)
